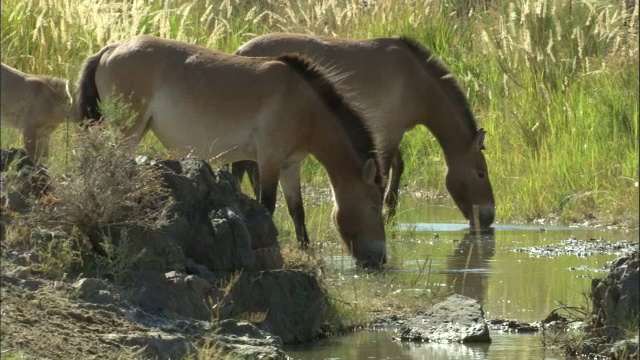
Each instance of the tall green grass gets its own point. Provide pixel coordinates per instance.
(555, 83)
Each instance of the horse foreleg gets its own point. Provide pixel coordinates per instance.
(30, 139)
(391, 196)
(290, 182)
(42, 146)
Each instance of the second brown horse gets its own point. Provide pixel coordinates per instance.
(400, 84)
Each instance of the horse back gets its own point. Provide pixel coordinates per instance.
(196, 95)
(380, 74)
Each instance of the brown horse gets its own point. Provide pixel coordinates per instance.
(274, 111)
(35, 105)
(400, 83)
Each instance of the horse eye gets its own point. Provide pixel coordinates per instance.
(481, 174)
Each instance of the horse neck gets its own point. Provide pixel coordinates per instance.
(444, 120)
(331, 146)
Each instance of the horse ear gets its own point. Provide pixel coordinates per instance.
(478, 142)
(369, 171)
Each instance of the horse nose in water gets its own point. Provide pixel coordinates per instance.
(485, 214)
(373, 258)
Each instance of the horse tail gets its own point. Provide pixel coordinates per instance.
(349, 115)
(87, 97)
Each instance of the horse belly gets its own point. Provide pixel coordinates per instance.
(206, 136)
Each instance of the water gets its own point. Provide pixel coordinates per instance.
(378, 345)
(508, 284)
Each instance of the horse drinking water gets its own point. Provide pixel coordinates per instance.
(274, 111)
(401, 85)
(35, 105)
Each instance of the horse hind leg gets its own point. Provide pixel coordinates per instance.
(129, 116)
(239, 168)
(290, 182)
(268, 187)
(392, 193)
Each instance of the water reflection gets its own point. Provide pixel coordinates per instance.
(468, 266)
(419, 351)
(380, 346)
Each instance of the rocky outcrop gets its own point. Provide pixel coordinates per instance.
(237, 340)
(457, 319)
(292, 302)
(214, 223)
(616, 298)
(616, 310)
(20, 180)
(217, 261)
(245, 341)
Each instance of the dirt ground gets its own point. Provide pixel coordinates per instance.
(39, 320)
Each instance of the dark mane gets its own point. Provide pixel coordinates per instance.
(449, 83)
(360, 134)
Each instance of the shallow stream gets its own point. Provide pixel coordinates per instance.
(518, 272)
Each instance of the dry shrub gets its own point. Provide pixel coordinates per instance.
(90, 209)
(296, 258)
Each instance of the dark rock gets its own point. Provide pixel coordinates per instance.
(95, 291)
(26, 259)
(623, 349)
(240, 340)
(158, 345)
(22, 276)
(245, 341)
(616, 298)
(20, 180)
(194, 268)
(518, 326)
(215, 224)
(152, 251)
(457, 319)
(292, 301)
(20, 272)
(615, 311)
(174, 295)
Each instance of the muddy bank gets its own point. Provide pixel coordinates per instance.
(177, 263)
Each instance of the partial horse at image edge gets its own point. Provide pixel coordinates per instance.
(35, 105)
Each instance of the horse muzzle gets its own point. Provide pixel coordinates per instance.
(373, 259)
(482, 216)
